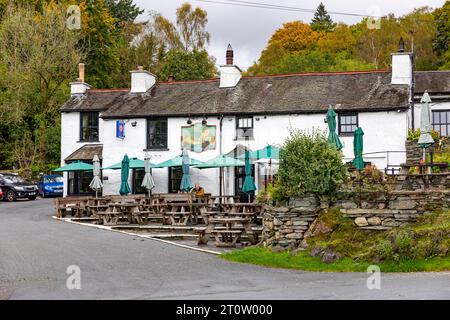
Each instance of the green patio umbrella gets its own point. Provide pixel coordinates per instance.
(333, 138)
(249, 182)
(268, 152)
(148, 181)
(96, 183)
(221, 161)
(76, 166)
(135, 163)
(358, 162)
(186, 183)
(176, 162)
(124, 186)
(425, 139)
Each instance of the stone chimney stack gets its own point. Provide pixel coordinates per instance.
(79, 87)
(141, 80)
(402, 65)
(230, 74)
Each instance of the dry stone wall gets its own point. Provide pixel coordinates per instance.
(285, 226)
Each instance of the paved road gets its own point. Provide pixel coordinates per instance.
(36, 250)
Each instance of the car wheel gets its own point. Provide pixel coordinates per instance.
(42, 194)
(10, 196)
(32, 198)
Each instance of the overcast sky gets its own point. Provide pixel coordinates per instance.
(248, 29)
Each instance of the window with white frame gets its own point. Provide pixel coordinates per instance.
(244, 128)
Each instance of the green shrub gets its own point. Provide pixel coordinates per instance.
(309, 164)
(414, 135)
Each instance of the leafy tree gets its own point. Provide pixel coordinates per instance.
(418, 29)
(189, 34)
(38, 56)
(124, 11)
(293, 37)
(195, 65)
(440, 43)
(309, 164)
(322, 21)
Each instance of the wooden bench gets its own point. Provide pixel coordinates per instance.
(73, 204)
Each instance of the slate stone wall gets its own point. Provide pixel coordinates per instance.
(285, 226)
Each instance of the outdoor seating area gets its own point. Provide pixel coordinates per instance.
(223, 219)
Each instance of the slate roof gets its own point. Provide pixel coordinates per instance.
(279, 94)
(435, 82)
(86, 152)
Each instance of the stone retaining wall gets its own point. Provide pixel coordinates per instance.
(285, 226)
(400, 208)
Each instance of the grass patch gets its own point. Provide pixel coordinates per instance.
(422, 246)
(303, 261)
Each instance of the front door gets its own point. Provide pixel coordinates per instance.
(239, 177)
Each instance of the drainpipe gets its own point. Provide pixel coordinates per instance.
(220, 152)
(413, 85)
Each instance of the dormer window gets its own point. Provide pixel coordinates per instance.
(89, 127)
(244, 128)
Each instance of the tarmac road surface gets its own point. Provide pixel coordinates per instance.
(36, 251)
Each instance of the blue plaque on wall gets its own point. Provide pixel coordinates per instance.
(120, 129)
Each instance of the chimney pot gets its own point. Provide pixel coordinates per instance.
(401, 45)
(230, 55)
(140, 68)
(81, 72)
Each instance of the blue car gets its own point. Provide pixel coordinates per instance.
(51, 185)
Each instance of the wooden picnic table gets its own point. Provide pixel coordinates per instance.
(181, 213)
(124, 209)
(227, 231)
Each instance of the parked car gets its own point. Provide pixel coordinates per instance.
(15, 187)
(51, 185)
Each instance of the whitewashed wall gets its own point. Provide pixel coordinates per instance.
(70, 137)
(383, 131)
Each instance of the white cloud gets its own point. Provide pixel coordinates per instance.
(248, 29)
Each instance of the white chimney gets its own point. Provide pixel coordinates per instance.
(230, 74)
(79, 86)
(402, 66)
(141, 80)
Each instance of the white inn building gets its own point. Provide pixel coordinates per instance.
(226, 114)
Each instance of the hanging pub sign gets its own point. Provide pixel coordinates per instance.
(120, 129)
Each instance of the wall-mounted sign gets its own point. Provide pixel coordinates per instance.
(120, 129)
(198, 137)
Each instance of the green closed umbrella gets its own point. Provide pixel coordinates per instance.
(249, 183)
(186, 183)
(124, 186)
(358, 162)
(333, 138)
(76, 166)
